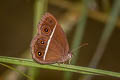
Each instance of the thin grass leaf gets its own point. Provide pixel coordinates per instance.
(38, 11)
(78, 38)
(12, 68)
(40, 7)
(29, 62)
(61, 67)
(110, 26)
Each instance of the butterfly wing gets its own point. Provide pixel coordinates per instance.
(50, 44)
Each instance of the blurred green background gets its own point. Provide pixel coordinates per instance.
(95, 22)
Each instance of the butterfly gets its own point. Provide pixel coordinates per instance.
(50, 44)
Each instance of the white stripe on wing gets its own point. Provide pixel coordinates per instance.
(48, 43)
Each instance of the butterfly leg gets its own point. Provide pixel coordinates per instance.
(61, 63)
(69, 61)
(58, 64)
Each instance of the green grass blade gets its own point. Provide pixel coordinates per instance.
(38, 12)
(110, 26)
(40, 7)
(61, 67)
(12, 68)
(78, 38)
(29, 62)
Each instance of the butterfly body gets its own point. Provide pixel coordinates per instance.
(50, 44)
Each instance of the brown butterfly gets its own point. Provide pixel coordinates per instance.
(50, 44)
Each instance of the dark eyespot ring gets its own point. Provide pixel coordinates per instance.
(39, 54)
(42, 41)
(45, 29)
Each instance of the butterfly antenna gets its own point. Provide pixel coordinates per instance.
(82, 45)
